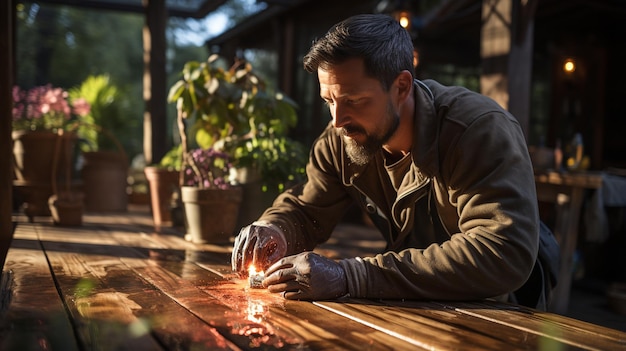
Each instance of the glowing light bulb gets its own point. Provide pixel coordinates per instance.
(569, 66)
(404, 20)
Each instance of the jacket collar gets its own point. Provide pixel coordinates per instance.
(425, 130)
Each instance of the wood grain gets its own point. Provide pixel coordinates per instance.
(34, 315)
(115, 284)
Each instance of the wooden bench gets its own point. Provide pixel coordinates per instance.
(114, 284)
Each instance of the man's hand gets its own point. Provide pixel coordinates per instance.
(260, 244)
(306, 276)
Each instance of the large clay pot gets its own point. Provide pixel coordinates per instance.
(105, 181)
(210, 214)
(34, 153)
(163, 182)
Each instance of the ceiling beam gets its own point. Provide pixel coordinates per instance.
(201, 11)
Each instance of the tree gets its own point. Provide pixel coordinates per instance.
(64, 45)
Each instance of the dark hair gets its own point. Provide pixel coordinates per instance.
(385, 47)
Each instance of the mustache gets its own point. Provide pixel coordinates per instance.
(352, 129)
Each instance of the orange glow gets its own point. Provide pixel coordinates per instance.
(252, 270)
(255, 279)
(569, 66)
(404, 20)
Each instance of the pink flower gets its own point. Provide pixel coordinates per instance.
(45, 107)
(208, 168)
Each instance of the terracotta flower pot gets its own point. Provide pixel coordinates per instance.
(104, 177)
(67, 208)
(162, 182)
(210, 214)
(33, 163)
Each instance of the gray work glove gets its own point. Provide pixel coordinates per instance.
(260, 244)
(306, 276)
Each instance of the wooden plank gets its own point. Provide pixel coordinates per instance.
(548, 325)
(180, 295)
(165, 261)
(256, 317)
(211, 273)
(173, 247)
(470, 324)
(320, 329)
(225, 286)
(431, 331)
(121, 301)
(33, 314)
(102, 315)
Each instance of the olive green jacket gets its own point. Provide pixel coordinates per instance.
(464, 223)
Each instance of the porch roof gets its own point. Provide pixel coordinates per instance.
(175, 8)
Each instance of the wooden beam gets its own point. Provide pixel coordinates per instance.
(207, 7)
(495, 47)
(136, 6)
(154, 81)
(506, 55)
(7, 16)
(287, 57)
(520, 66)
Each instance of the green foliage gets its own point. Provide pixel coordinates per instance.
(62, 45)
(230, 108)
(279, 160)
(98, 93)
(173, 158)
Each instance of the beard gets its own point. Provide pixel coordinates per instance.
(362, 153)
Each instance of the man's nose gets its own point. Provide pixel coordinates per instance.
(340, 116)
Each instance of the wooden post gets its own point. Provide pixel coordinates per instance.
(495, 46)
(287, 58)
(506, 52)
(6, 143)
(154, 81)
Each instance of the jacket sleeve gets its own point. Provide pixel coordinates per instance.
(308, 212)
(487, 177)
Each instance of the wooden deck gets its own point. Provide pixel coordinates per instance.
(115, 284)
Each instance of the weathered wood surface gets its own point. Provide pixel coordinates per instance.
(114, 284)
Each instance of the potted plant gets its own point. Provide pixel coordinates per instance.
(230, 108)
(163, 180)
(211, 202)
(40, 117)
(105, 163)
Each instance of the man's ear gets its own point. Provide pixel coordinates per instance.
(404, 84)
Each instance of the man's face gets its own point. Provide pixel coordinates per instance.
(360, 108)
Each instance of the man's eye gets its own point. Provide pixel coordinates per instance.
(353, 101)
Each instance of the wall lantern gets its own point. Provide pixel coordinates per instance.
(402, 11)
(569, 66)
(404, 17)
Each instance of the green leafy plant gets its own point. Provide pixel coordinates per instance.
(230, 109)
(172, 159)
(109, 111)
